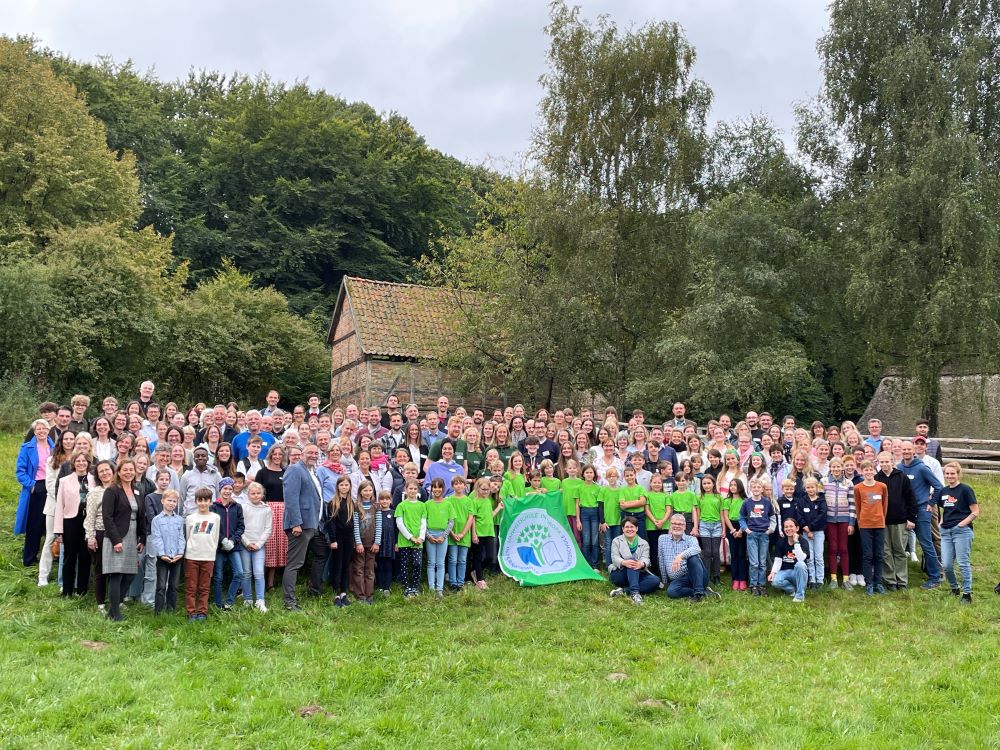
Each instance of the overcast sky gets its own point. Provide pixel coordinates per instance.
(465, 72)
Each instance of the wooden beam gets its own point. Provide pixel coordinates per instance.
(348, 366)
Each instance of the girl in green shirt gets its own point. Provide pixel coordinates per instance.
(570, 487)
(589, 515)
(739, 566)
(709, 530)
(411, 521)
(483, 534)
(633, 500)
(686, 502)
(658, 510)
(514, 480)
(611, 510)
(461, 534)
(440, 522)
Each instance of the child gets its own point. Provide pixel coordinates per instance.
(258, 524)
(440, 522)
(240, 489)
(340, 535)
(658, 511)
(483, 529)
(756, 517)
(411, 522)
(166, 544)
(571, 495)
(588, 515)
(684, 501)
(231, 527)
(642, 477)
(709, 530)
(514, 480)
(410, 473)
(871, 500)
(367, 540)
(666, 470)
(201, 537)
(838, 494)
(610, 511)
(461, 534)
(812, 512)
(735, 536)
(633, 500)
(549, 481)
(534, 483)
(387, 543)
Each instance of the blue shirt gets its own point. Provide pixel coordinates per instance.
(166, 537)
(240, 445)
(668, 548)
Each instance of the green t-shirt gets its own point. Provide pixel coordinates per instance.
(475, 461)
(434, 454)
(610, 497)
(462, 507)
(710, 507)
(571, 491)
(505, 454)
(439, 513)
(733, 505)
(633, 493)
(683, 502)
(412, 512)
(550, 484)
(657, 503)
(513, 485)
(483, 508)
(590, 494)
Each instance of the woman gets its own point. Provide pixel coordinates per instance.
(817, 430)
(416, 446)
(211, 441)
(93, 526)
(178, 460)
(134, 425)
(123, 448)
(517, 431)
(960, 510)
(821, 456)
(629, 569)
(224, 460)
(194, 418)
(638, 441)
(30, 471)
(276, 548)
(169, 411)
(72, 494)
(802, 467)
(730, 471)
(582, 450)
(489, 434)
(566, 454)
(124, 536)
(473, 454)
(444, 469)
(504, 444)
(622, 452)
(53, 470)
(104, 446)
(607, 460)
(587, 427)
(119, 425)
(380, 480)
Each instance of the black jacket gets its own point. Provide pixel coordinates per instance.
(902, 501)
(118, 515)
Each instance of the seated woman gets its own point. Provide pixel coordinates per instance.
(789, 572)
(629, 569)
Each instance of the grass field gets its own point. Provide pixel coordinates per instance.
(556, 667)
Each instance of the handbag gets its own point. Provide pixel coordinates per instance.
(56, 547)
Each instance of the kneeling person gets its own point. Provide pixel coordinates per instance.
(630, 563)
(788, 572)
(679, 555)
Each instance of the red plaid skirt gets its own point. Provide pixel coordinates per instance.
(276, 548)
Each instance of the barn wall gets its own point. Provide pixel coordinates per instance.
(347, 374)
(420, 383)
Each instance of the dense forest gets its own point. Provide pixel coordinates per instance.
(196, 231)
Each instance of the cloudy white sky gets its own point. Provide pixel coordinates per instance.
(465, 72)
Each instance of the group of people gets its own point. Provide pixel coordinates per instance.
(371, 497)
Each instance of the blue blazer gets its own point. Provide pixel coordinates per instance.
(302, 501)
(26, 468)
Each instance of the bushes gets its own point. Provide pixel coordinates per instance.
(18, 404)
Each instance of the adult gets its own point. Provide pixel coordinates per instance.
(124, 536)
(270, 476)
(379, 478)
(788, 573)
(78, 413)
(71, 508)
(56, 467)
(272, 399)
(923, 430)
(875, 438)
(253, 430)
(901, 516)
(394, 436)
(680, 560)
(925, 487)
(960, 510)
(454, 436)
(93, 526)
(303, 502)
(391, 408)
(629, 569)
(446, 468)
(415, 445)
(104, 446)
(146, 389)
(679, 420)
(201, 475)
(30, 472)
(373, 428)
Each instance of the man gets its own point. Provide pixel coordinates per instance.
(161, 461)
(78, 410)
(655, 452)
(312, 401)
(374, 428)
(391, 407)
(923, 430)
(679, 419)
(726, 423)
(637, 414)
(442, 411)
(478, 417)
(253, 429)
(920, 447)
(202, 475)
(680, 559)
(272, 399)
(547, 449)
(395, 436)
(322, 440)
(218, 417)
(303, 507)
(351, 412)
(925, 488)
(146, 389)
(900, 517)
(874, 438)
(411, 414)
(149, 423)
(433, 433)
(64, 415)
(766, 420)
(754, 425)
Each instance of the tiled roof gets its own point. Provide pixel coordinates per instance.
(405, 320)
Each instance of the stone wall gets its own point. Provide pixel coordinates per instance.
(970, 407)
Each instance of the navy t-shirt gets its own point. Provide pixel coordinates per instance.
(957, 502)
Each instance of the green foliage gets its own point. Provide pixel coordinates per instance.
(18, 404)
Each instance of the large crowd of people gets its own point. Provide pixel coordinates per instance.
(138, 499)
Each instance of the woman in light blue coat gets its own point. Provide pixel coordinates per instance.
(30, 472)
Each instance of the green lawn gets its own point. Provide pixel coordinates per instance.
(556, 667)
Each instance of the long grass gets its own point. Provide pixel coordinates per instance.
(553, 667)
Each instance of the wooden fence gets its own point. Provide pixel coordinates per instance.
(975, 455)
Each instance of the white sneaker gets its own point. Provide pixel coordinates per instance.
(617, 592)
(260, 605)
(852, 579)
(248, 603)
(637, 598)
(861, 581)
(913, 557)
(42, 583)
(101, 609)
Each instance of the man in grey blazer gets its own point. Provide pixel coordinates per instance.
(303, 502)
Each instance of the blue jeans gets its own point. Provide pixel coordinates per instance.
(609, 536)
(221, 558)
(872, 545)
(931, 564)
(458, 557)
(956, 546)
(436, 555)
(815, 565)
(692, 582)
(793, 581)
(635, 581)
(757, 552)
(253, 571)
(590, 535)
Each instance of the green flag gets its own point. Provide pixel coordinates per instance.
(536, 544)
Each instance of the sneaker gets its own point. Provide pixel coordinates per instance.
(798, 599)
(913, 557)
(930, 585)
(966, 599)
(697, 597)
(755, 591)
(711, 592)
(247, 602)
(743, 585)
(102, 609)
(848, 586)
(259, 604)
(833, 584)
(202, 617)
(439, 594)
(736, 585)
(637, 598)
(42, 583)
(338, 602)
(901, 587)
(192, 618)
(384, 592)
(996, 589)
(869, 590)
(852, 579)
(890, 587)
(879, 588)
(861, 581)
(227, 607)
(617, 592)
(293, 607)
(956, 592)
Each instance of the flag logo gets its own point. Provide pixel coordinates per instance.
(540, 544)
